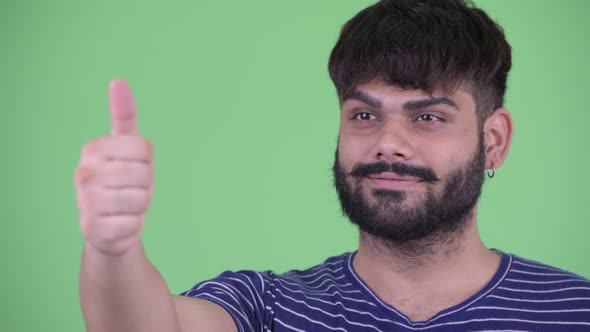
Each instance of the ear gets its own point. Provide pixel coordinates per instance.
(498, 129)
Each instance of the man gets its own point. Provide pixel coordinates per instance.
(421, 86)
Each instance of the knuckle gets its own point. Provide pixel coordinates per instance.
(83, 175)
(89, 148)
(82, 203)
(136, 202)
(150, 178)
(149, 148)
(144, 202)
(86, 148)
(92, 200)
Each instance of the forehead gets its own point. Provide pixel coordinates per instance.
(378, 94)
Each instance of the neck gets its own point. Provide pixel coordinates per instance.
(440, 269)
(413, 255)
(423, 253)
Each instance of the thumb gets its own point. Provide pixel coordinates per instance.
(122, 106)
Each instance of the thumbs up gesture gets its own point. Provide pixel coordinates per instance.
(114, 179)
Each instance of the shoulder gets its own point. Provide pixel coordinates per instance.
(250, 296)
(260, 281)
(535, 282)
(535, 270)
(533, 296)
(238, 286)
(241, 294)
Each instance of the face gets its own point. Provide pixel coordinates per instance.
(408, 165)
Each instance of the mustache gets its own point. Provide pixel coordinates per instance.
(423, 173)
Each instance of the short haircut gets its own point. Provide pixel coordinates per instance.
(427, 45)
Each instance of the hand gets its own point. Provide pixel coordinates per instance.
(115, 179)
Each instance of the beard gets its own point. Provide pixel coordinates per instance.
(435, 217)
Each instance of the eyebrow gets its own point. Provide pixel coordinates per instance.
(409, 105)
(421, 103)
(362, 96)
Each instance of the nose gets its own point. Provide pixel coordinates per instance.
(393, 143)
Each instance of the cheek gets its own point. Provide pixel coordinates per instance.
(351, 150)
(442, 157)
(454, 158)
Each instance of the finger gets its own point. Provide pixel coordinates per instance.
(118, 175)
(127, 148)
(115, 175)
(123, 111)
(99, 202)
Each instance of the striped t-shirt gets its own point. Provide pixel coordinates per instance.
(523, 295)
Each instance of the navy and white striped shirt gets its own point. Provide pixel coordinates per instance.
(523, 295)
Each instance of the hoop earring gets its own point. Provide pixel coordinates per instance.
(493, 172)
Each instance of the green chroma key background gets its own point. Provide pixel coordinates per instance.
(236, 99)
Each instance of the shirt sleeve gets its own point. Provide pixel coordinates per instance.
(246, 295)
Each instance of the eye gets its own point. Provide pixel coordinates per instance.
(364, 116)
(428, 118)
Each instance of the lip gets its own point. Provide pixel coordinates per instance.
(392, 181)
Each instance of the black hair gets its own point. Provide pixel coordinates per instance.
(427, 45)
